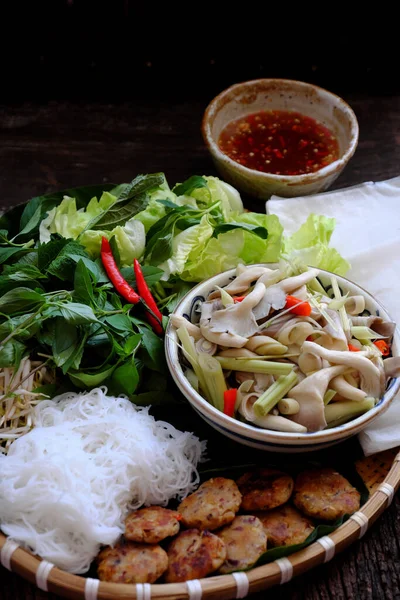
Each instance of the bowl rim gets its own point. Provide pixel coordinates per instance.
(290, 179)
(266, 435)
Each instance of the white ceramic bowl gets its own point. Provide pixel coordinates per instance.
(263, 439)
(250, 97)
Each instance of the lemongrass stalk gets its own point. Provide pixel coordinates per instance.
(288, 406)
(192, 356)
(192, 379)
(274, 393)
(362, 333)
(341, 412)
(214, 378)
(329, 394)
(278, 423)
(315, 286)
(342, 310)
(226, 298)
(254, 365)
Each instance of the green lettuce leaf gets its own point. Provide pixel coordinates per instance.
(152, 213)
(130, 240)
(185, 246)
(69, 221)
(310, 245)
(235, 247)
(217, 190)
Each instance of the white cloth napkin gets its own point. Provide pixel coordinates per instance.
(367, 234)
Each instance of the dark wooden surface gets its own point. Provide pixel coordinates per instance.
(58, 144)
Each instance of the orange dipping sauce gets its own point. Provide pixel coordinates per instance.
(279, 141)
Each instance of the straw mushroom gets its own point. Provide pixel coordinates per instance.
(193, 330)
(309, 394)
(370, 374)
(238, 319)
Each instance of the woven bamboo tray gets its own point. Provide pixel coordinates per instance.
(381, 475)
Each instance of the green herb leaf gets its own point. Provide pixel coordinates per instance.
(62, 266)
(24, 333)
(162, 249)
(91, 266)
(83, 288)
(9, 251)
(20, 299)
(49, 251)
(120, 323)
(125, 379)
(133, 198)
(152, 351)
(185, 188)
(77, 313)
(132, 343)
(151, 274)
(90, 380)
(257, 230)
(65, 342)
(11, 354)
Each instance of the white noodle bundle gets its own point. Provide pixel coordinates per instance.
(66, 486)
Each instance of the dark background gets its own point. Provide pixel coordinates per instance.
(123, 50)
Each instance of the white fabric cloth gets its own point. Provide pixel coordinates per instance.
(367, 234)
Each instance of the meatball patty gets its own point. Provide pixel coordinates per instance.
(264, 489)
(212, 505)
(285, 526)
(128, 562)
(325, 494)
(194, 554)
(245, 541)
(151, 524)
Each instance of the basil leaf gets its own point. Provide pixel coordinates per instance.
(162, 249)
(185, 188)
(20, 272)
(65, 341)
(256, 229)
(151, 274)
(120, 323)
(20, 299)
(90, 380)
(24, 333)
(50, 250)
(133, 198)
(6, 253)
(62, 266)
(124, 379)
(77, 313)
(162, 227)
(152, 350)
(91, 266)
(83, 288)
(11, 354)
(132, 343)
(140, 185)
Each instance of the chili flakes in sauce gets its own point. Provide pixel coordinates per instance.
(279, 141)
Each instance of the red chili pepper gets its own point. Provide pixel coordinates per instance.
(383, 347)
(353, 348)
(297, 306)
(146, 295)
(120, 284)
(230, 401)
(238, 298)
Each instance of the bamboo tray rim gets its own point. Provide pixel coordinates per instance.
(238, 585)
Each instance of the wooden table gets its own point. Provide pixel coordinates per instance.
(59, 145)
